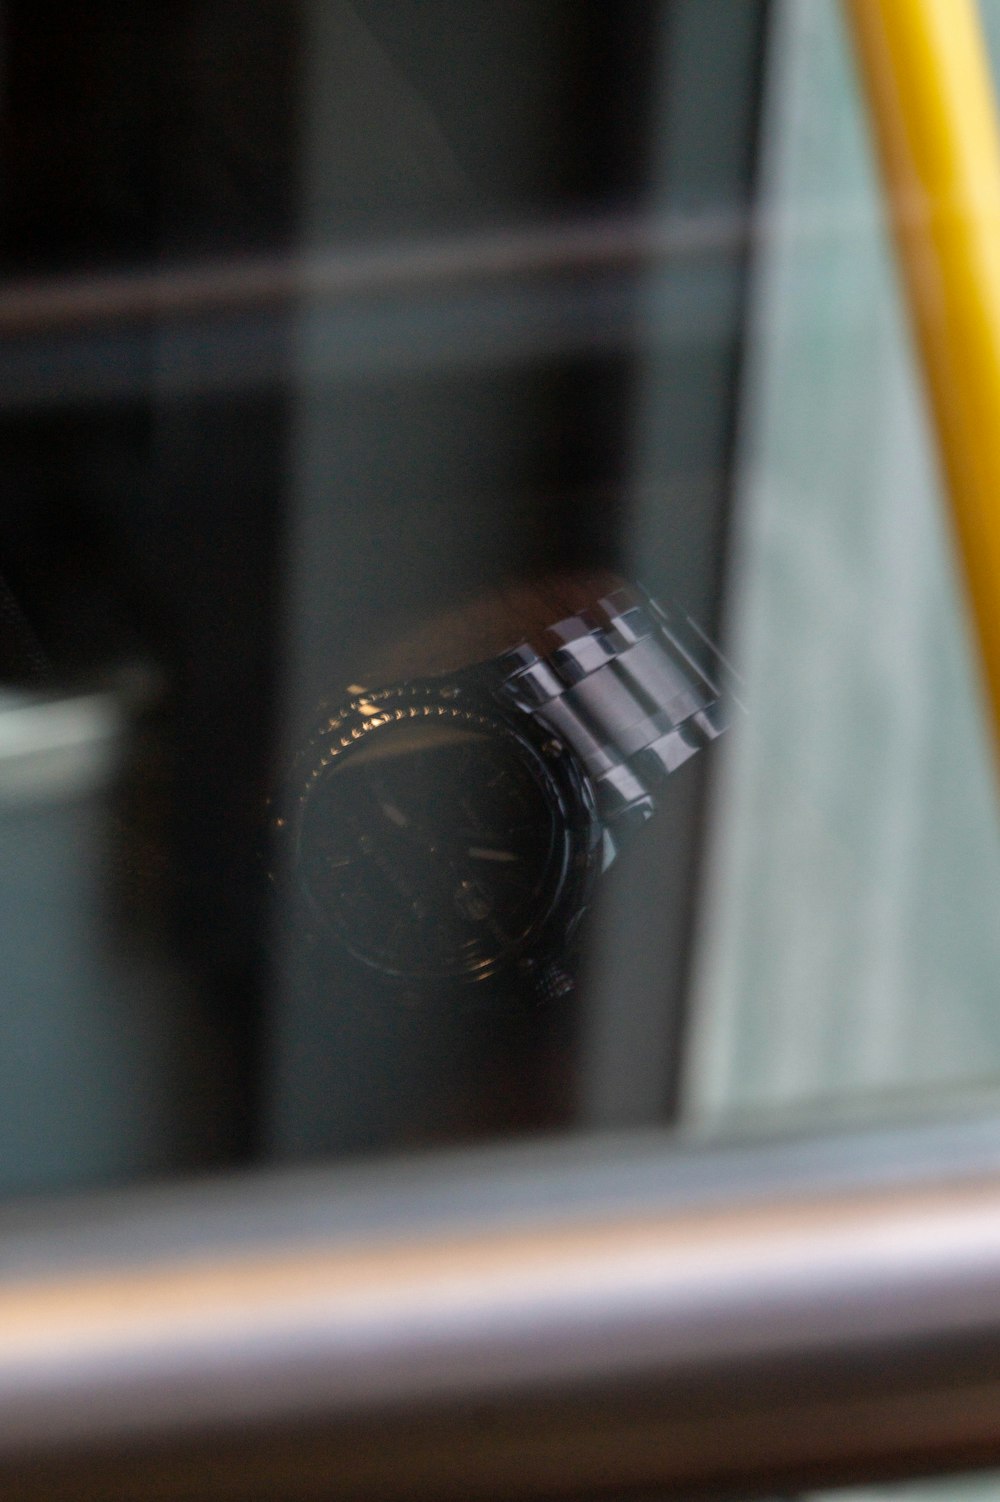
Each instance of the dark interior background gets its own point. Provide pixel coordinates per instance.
(245, 497)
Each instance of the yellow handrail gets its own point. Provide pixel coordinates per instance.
(930, 91)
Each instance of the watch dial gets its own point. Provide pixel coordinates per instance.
(433, 846)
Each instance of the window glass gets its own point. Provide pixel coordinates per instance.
(473, 505)
(352, 349)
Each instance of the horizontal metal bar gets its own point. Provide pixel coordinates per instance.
(404, 1303)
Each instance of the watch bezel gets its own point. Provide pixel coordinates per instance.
(467, 699)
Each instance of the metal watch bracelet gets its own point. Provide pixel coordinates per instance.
(632, 689)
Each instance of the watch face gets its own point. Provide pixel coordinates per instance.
(433, 840)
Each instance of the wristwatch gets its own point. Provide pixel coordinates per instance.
(447, 829)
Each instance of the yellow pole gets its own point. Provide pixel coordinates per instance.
(930, 91)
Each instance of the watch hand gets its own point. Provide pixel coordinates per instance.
(482, 853)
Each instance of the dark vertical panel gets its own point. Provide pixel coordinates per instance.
(418, 490)
(227, 164)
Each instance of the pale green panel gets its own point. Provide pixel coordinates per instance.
(852, 941)
(985, 1488)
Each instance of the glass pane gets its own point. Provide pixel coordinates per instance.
(481, 655)
(402, 407)
(353, 348)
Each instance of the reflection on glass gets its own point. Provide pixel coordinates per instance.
(429, 848)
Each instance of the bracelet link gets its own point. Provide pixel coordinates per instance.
(629, 690)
